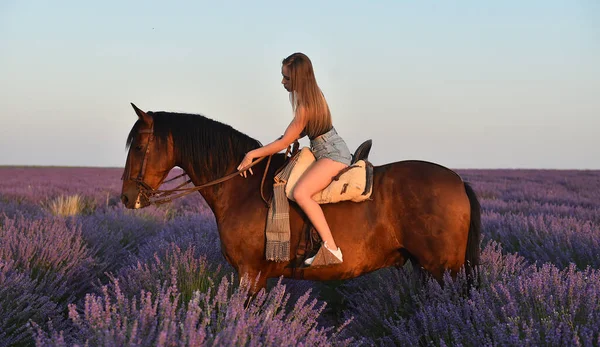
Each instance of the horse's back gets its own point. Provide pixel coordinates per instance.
(416, 168)
(415, 177)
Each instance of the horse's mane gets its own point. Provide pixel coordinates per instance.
(208, 145)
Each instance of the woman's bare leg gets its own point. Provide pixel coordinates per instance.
(316, 178)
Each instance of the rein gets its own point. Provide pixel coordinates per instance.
(158, 197)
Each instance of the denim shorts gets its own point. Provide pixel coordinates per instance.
(331, 145)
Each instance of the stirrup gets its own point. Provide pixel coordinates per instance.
(325, 257)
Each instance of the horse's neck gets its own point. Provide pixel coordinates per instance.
(236, 192)
(210, 194)
(213, 195)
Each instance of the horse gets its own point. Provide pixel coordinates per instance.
(419, 211)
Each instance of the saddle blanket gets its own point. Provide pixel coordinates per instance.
(354, 183)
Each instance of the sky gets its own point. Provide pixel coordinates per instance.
(465, 84)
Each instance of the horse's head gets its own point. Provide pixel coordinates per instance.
(148, 163)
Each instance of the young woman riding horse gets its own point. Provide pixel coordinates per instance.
(312, 118)
(417, 211)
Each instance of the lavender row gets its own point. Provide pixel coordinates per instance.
(544, 215)
(99, 188)
(517, 304)
(157, 274)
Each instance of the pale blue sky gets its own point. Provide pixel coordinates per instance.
(466, 84)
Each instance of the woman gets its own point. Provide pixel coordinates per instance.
(312, 118)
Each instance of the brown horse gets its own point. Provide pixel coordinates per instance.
(418, 210)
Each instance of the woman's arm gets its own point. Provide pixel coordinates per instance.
(292, 133)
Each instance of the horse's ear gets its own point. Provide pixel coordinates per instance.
(142, 115)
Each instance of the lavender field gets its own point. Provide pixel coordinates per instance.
(77, 268)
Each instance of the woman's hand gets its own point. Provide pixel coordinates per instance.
(245, 162)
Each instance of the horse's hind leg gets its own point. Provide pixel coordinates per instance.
(418, 270)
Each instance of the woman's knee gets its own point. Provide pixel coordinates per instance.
(300, 195)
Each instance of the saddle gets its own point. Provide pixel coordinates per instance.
(309, 239)
(354, 183)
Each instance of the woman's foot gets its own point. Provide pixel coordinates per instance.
(326, 259)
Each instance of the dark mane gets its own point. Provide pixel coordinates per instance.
(208, 145)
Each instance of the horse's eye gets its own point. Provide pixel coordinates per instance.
(138, 148)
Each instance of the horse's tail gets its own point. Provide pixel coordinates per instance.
(472, 255)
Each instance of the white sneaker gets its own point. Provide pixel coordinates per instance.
(309, 261)
(337, 253)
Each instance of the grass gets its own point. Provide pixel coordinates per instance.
(67, 205)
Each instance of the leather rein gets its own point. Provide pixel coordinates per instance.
(158, 197)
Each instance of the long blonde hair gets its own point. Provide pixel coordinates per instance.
(307, 94)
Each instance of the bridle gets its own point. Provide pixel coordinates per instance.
(158, 197)
(139, 180)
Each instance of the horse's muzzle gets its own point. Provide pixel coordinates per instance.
(139, 202)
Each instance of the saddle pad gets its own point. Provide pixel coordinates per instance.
(350, 185)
